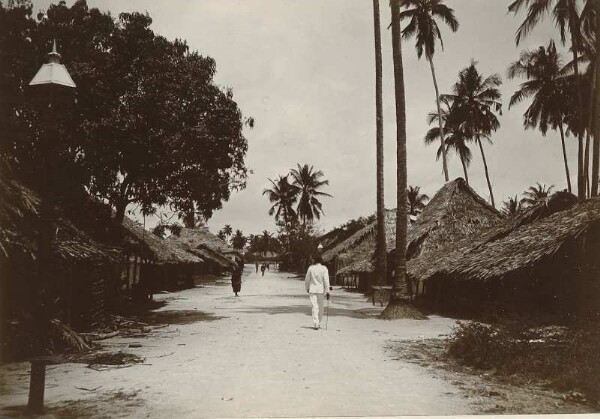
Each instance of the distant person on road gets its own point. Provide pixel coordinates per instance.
(263, 268)
(236, 278)
(317, 287)
(256, 267)
(269, 267)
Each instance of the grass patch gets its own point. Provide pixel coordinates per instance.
(566, 358)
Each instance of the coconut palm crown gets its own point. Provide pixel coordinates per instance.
(546, 83)
(283, 196)
(309, 182)
(415, 200)
(422, 16)
(535, 194)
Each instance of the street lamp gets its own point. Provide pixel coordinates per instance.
(51, 80)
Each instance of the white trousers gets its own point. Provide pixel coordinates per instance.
(317, 301)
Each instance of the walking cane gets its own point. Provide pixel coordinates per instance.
(327, 314)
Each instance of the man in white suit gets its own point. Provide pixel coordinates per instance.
(317, 287)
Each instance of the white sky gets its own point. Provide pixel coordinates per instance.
(304, 69)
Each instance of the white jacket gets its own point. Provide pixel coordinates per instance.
(317, 279)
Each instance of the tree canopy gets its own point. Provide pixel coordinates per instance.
(149, 125)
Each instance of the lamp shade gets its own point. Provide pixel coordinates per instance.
(53, 72)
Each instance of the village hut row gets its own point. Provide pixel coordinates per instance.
(91, 275)
(464, 256)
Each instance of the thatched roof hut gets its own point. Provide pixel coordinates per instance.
(547, 257)
(19, 222)
(160, 250)
(202, 242)
(456, 211)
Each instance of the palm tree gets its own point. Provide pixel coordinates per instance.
(545, 82)
(456, 139)
(308, 181)
(227, 230)
(476, 100)
(535, 194)
(381, 252)
(422, 25)
(283, 196)
(221, 234)
(238, 241)
(511, 207)
(415, 200)
(397, 306)
(567, 17)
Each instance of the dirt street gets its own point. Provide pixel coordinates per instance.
(255, 355)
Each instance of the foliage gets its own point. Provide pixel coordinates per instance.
(567, 358)
(283, 195)
(238, 241)
(422, 24)
(415, 200)
(535, 194)
(308, 181)
(511, 207)
(149, 125)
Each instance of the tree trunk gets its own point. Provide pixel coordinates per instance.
(380, 269)
(120, 208)
(399, 306)
(464, 165)
(487, 175)
(578, 125)
(564, 150)
(441, 124)
(595, 128)
(399, 290)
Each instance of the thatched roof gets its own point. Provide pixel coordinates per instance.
(200, 240)
(360, 266)
(19, 221)
(161, 250)
(516, 244)
(363, 241)
(456, 211)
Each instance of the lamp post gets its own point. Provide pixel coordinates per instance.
(51, 80)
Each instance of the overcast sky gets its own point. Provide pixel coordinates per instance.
(304, 69)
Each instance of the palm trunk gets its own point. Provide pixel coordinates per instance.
(595, 128)
(487, 175)
(400, 289)
(464, 165)
(578, 125)
(380, 269)
(439, 110)
(589, 129)
(564, 150)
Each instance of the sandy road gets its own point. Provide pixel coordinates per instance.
(256, 355)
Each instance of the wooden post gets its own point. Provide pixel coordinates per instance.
(36, 386)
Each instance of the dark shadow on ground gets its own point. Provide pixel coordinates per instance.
(363, 313)
(155, 318)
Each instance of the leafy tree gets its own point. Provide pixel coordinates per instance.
(546, 85)
(422, 25)
(221, 234)
(308, 181)
(283, 195)
(566, 15)
(476, 100)
(380, 251)
(238, 241)
(147, 110)
(535, 194)
(415, 200)
(511, 207)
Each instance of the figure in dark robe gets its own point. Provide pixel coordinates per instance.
(236, 278)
